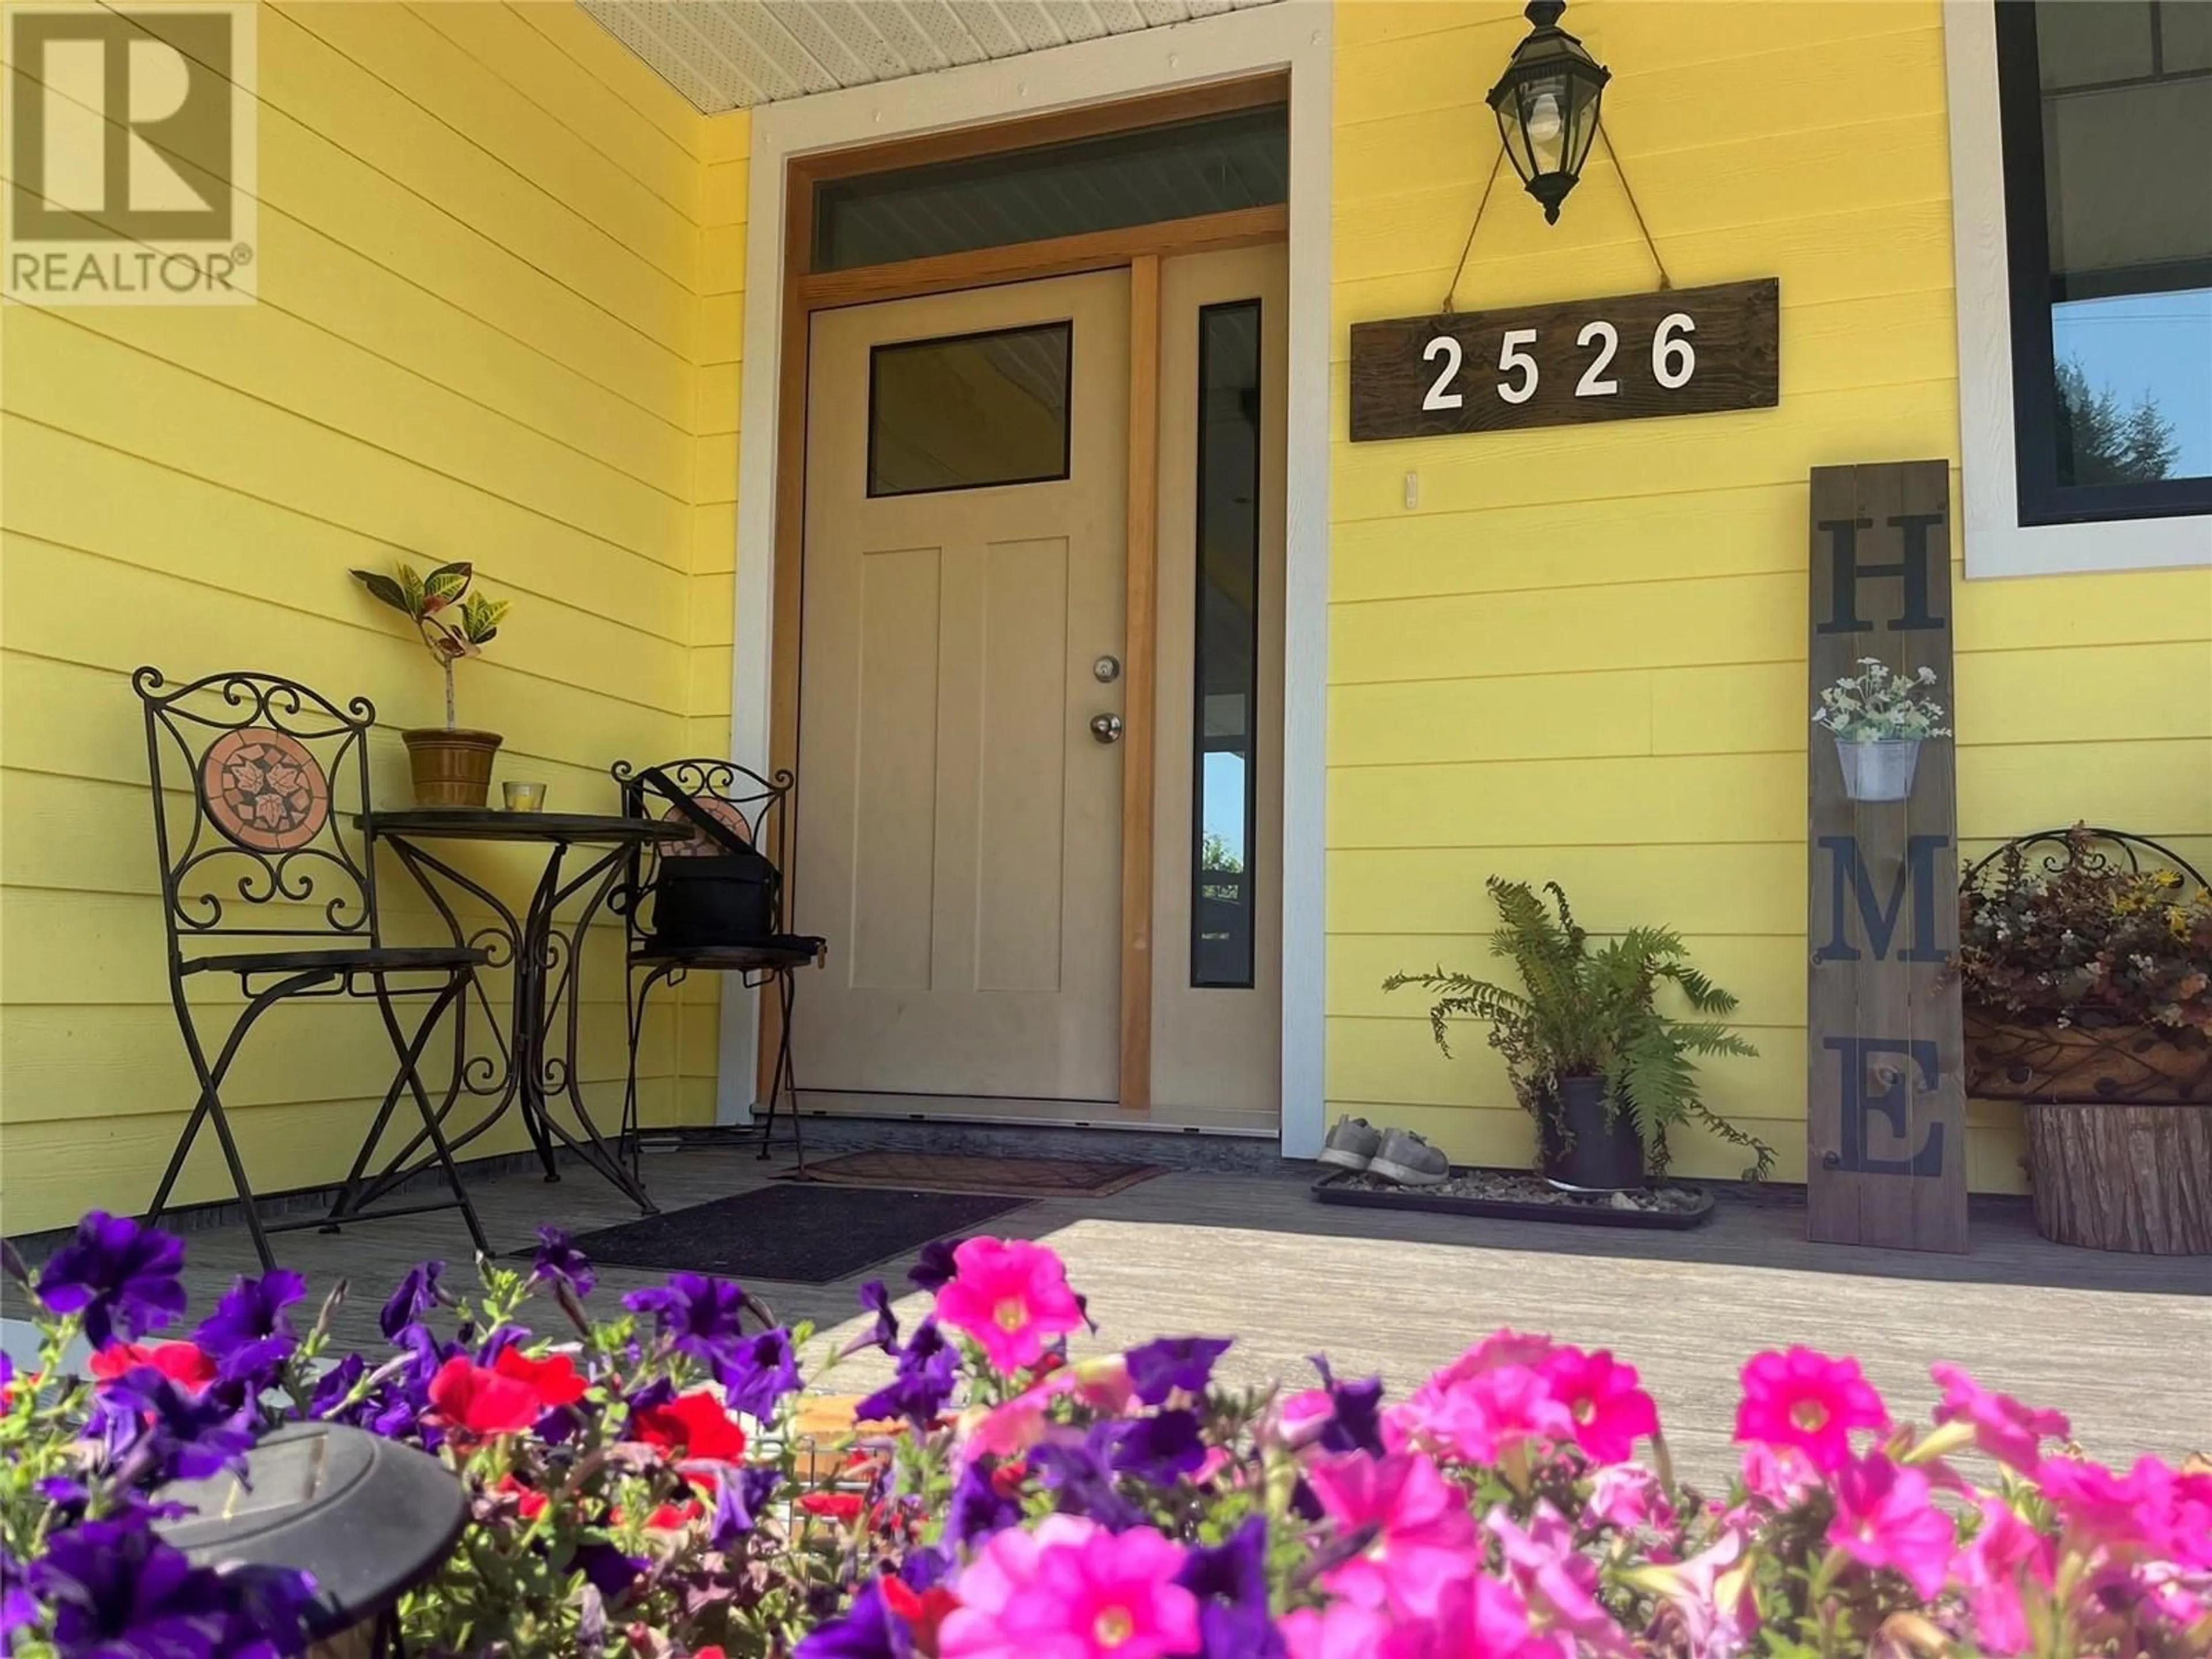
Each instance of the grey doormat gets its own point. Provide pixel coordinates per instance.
(810, 1235)
(970, 1172)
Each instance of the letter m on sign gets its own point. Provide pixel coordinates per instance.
(1886, 1132)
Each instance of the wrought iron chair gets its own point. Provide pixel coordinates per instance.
(253, 778)
(757, 809)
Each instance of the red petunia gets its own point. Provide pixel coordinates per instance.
(832, 1505)
(923, 1613)
(477, 1400)
(692, 1425)
(528, 1499)
(554, 1379)
(669, 1517)
(185, 1363)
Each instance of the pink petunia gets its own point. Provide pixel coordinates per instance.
(2004, 1554)
(1710, 1596)
(1423, 1539)
(1073, 1590)
(1886, 1516)
(1478, 1418)
(1626, 1496)
(1342, 1630)
(1610, 1413)
(1559, 1581)
(2007, 1430)
(1809, 1400)
(1012, 1296)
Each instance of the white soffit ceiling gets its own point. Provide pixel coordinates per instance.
(733, 54)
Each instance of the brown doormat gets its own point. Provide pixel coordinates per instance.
(944, 1172)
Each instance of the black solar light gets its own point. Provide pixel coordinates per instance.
(1547, 106)
(368, 1517)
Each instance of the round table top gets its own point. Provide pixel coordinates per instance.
(492, 824)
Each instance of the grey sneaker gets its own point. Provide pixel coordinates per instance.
(1410, 1161)
(1351, 1144)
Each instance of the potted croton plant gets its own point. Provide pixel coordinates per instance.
(452, 763)
(2085, 961)
(1603, 1069)
(1879, 718)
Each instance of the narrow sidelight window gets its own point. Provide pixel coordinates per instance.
(1224, 786)
(969, 411)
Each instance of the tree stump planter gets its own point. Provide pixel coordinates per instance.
(2116, 1177)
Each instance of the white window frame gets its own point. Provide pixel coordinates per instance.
(1997, 542)
(1296, 35)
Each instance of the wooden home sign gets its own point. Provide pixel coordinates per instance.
(1885, 1146)
(1679, 352)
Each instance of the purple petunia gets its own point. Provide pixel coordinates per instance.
(248, 1332)
(608, 1570)
(885, 1334)
(171, 1434)
(740, 1495)
(117, 1589)
(1357, 1424)
(934, 1268)
(119, 1275)
(1159, 1369)
(762, 1371)
(558, 1261)
(1158, 1450)
(1081, 1479)
(696, 1314)
(416, 1295)
(978, 1508)
(1230, 1581)
(868, 1629)
(18, 1607)
(926, 1372)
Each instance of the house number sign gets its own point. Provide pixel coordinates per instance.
(1682, 351)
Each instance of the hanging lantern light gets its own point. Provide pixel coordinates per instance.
(1547, 106)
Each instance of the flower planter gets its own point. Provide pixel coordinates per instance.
(450, 768)
(2120, 1129)
(2077, 1064)
(1581, 1151)
(1880, 770)
(1589, 1210)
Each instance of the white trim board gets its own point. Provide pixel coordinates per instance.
(1997, 542)
(1296, 35)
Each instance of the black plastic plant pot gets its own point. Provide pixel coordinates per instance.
(1584, 1152)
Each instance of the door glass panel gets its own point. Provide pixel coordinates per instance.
(1226, 682)
(969, 411)
(1142, 177)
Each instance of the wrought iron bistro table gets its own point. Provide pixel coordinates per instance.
(538, 1050)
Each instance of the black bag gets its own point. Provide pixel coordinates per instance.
(716, 900)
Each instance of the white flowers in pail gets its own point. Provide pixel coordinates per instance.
(1879, 718)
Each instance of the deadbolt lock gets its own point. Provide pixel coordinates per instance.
(1106, 670)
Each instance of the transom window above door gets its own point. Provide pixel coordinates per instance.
(1183, 169)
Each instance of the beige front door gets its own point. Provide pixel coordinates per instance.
(959, 823)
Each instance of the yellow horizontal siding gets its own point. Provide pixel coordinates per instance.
(1582, 657)
(483, 261)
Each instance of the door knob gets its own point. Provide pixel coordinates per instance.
(1107, 728)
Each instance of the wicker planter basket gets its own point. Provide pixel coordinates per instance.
(2119, 1130)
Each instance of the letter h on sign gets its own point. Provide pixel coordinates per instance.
(1885, 1105)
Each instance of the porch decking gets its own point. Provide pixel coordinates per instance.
(2122, 1343)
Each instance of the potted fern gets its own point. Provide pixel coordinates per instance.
(451, 764)
(1594, 1060)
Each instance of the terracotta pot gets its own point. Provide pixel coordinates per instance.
(2050, 1065)
(450, 768)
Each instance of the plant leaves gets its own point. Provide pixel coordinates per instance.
(411, 584)
(448, 581)
(383, 588)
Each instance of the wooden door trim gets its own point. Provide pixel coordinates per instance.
(805, 292)
(1140, 676)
